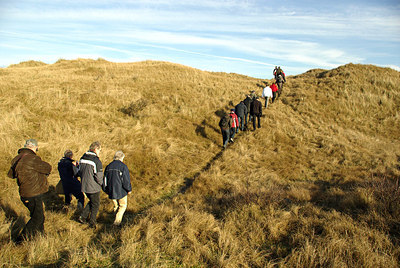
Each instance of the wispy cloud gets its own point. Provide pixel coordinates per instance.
(249, 32)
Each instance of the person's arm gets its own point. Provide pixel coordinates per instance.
(126, 180)
(41, 166)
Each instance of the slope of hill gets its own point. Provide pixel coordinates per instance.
(317, 185)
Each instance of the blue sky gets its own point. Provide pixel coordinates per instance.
(248, 37)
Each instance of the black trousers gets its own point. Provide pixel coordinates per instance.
(258, 116)
(78, 195)
(92, 208)
(35, 225)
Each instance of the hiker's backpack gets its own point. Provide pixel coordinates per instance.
(224, 122)
(280, 78)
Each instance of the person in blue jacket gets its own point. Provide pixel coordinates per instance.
(117, 184)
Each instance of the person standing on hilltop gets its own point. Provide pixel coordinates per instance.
(241, 112)
(274, 89)
(267, 94)
(118, 185)
(91, 172)
(275, 71)
(225, 124)
(247, 102)
(256, 112)
(234, 125)
(280, 79)
(31, 174)
(68, 170)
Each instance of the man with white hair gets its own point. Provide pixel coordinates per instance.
(31, 174)
(118, 185)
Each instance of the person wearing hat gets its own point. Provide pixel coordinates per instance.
(31, 174)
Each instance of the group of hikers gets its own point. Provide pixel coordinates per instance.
(31, 173)
(250, 109)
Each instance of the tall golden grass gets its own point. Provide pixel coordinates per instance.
(317, 185)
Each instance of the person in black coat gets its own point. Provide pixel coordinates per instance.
(68, 170)
(247, 101)
(256, 112)
(241, 112)
(117, 184)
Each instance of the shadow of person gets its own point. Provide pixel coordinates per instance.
(53, 201)
(17, 221)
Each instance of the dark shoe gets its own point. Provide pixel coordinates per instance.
(81, 220)
(92, 226)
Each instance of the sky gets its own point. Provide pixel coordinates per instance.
(248, 37)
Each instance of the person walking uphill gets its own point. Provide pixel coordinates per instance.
(68, 170)
(31, 174)
(234, 125)
(256, 112)
(241, 112)
(225, 125)
(117, 185)
(247, 102)
(267, 94)
(91, 173)
(274, 89)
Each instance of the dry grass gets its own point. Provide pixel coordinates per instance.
(317, 185)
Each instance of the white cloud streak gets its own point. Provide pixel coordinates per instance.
(239, 31)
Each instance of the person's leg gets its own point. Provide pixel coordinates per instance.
(115, 203)
(68, 197)
(259, 120)
(81, 199)
(232, 132)
(94, 208)
(35, 224)
(122, 204)
(254, 122)
(85, 212)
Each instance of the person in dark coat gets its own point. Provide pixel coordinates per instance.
(31, 174)
(256, 112)
(68, 170)
(91, 173)
(225, 124)
(118, 185)
(247, 102)
(241, 112)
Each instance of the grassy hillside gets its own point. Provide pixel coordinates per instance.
(317, 185)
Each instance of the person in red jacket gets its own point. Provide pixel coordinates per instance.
(235, 124)
(274, 91)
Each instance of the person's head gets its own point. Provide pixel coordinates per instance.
(32, 144)
(119, 155)
(95, 147)
(68, 154)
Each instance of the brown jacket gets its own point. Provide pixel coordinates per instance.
(31, 173)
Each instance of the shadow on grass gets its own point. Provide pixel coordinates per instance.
(17, 222)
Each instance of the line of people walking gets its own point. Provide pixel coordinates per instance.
(31, 173)
(250, 109)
